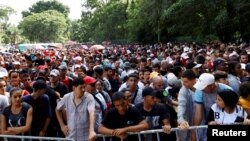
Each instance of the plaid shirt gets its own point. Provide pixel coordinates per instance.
(77, 115)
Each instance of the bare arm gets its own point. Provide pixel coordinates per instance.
(59, 115)
(22, 129)
(143, 125)
(46, 124)
(4, 126)
(198, 114)
(197, 119)
(104, 130)
(92, 133)
(91, 121)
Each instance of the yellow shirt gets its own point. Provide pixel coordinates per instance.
(245, 103)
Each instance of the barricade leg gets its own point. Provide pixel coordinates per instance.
(139, 137)
(196, 134)
(158, 136)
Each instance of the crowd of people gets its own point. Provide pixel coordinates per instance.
(77, 93)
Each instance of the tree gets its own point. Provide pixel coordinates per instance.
(48, 26)
(42, 6)
(5, 12)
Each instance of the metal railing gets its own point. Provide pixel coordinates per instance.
(24, 138)
(155, 131)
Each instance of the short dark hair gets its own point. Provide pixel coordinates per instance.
(200, 59)
(83, 69)
(231, 67)
(229, 97)
(147, 68)
(157, 65)
(124, 90)
(220, 74)
(189, 74)
(77, 81)
(244, 89)
(134, 74)
(118, 96)
(25, 75)
(39, 85)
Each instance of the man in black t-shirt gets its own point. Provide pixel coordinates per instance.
(156, 114)
(39, 60)
(122, 119)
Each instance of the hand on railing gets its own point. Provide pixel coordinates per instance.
(166, 129)
(65, 130)
(213, 123)
(92, 136)
(184, 125)
(120, 133)
(246, 122)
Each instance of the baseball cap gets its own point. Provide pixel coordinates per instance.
(204, 80)
(54, 72)
(39, 84)
(171, 79)
(62, 67)
(191, 65)
(184, 56)
(148, 91)
(161, 94)
(77, 58)
(89, 80)
(98, 69)
(248, 67)
(243, 66)
(41, 67)
(16, 63)
(218, 62)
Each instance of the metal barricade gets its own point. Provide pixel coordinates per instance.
(24, 138)
(156, 131)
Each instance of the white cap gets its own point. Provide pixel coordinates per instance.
(16, 63)
(128, 51)
(171, 79)
(54, 72)
(204, 80)
(184, 56)
(243, 66)
(185, 49)
(3, 74)
(78, 58)
(233, 54)
(197, 66)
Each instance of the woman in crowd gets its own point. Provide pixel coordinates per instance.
(226, 110)
(17, 117)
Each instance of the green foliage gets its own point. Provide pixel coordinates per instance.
(5, 12)
(151, 21)
(48, 26)
(42, 6)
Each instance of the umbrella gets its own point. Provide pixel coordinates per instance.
(97, 47)
(84, 47)
(38, 47)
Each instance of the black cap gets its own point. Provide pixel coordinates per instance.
(161, 94)
(148, 91)
(98, 69)
(248, 67)
(217, 62)
(39, 84)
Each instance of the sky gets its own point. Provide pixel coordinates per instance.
(21, 5)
